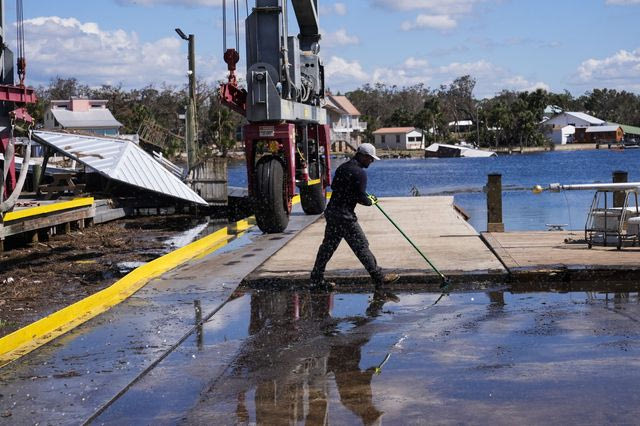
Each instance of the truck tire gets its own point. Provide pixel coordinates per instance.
(313, 198)
(271, 205)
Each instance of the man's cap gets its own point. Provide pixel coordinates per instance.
(368, 149)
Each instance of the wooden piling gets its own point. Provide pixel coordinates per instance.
(619, 176)
(494, 203)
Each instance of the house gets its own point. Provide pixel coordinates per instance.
(604, 134)
(631, 133)
(398, 138)
(579, 120)
(346, 126)
(562, 135)
(461, 126)
(84, 115)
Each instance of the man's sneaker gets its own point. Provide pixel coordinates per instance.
(388, 279)
(322, 285)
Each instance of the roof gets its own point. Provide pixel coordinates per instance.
(461, 123)
(346, 105)
(586, 117)
(392, 130)
(92, 119)
(628, 130)
(602, 129)
(120, 160)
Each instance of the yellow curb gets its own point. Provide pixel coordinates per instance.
(49, 208)
(34, 335)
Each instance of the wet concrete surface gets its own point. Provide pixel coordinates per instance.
(360, 358)
(74, 376)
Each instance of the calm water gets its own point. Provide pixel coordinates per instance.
(464, 178)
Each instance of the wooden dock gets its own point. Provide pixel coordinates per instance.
(433, 223)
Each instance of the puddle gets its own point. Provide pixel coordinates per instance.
(299, 357)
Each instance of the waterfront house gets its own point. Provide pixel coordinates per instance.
(604, 134)
(578, 120)
(83, 115)
(631, 133)
(346, 126)
(562, 135)
(398, 138)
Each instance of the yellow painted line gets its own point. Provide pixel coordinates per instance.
(32, 336)
(49, 208)
(314, 182)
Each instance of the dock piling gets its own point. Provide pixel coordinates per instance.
(494, 203)
(619, 176)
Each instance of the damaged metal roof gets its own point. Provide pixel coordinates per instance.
(120, 160)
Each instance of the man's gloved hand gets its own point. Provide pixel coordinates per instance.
(373, 198)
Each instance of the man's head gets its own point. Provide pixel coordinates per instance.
(366, 154)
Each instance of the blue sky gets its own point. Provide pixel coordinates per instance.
(575, 45)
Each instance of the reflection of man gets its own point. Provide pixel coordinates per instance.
(349, 189)
(354, 385)
(293, 385)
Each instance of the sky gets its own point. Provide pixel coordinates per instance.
(574, 45)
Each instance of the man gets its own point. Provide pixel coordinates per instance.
(349, 188)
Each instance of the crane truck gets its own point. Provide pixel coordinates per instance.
(287, 139)
(13, 113)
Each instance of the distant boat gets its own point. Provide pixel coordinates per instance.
(441, 150)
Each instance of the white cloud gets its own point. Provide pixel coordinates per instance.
(341, 72)
(185, 3)
(333, 9)
(66, 47)
(491, 79)
(438, 22)
(623, 2)
(338, 38)
(619, 71)
(435, 6)
(441, 14)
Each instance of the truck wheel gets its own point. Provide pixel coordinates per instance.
(313, 198)
(271, 204)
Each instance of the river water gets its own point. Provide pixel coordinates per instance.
(464, 178)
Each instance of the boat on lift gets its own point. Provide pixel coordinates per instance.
(441, 150)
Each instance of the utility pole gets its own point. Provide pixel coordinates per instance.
(191, 131)
(477, 126)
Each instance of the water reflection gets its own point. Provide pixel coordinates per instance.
(296, 354)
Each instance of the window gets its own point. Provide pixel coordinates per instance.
(397, 138)
(383, 139)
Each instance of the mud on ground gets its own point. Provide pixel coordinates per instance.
(40, 278)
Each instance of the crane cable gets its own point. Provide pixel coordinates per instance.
(236, 26)
(22, 62)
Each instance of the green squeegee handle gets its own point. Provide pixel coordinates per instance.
(410, 242)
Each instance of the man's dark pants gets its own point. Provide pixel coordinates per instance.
(350, 230)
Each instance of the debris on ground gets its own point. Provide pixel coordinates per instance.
(41, 278)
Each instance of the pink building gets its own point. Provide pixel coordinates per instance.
(84, 115)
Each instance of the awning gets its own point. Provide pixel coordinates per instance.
(120, 160)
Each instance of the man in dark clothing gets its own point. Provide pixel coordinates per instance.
(349, 188)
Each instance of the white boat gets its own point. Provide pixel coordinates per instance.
(441, 150)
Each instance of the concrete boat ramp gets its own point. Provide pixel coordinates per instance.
(194, 346)
(433, 223)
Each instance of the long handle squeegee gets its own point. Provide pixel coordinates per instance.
(445, 280)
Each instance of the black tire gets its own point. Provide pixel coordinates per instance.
(271, 209)
(313, 198)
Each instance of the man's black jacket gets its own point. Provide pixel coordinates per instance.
(349, 188)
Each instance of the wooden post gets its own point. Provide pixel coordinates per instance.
(37, 172)
(494, 203)
(619, 176)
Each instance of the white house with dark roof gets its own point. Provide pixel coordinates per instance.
(84, 115)
(398, 138)
(346, 126)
